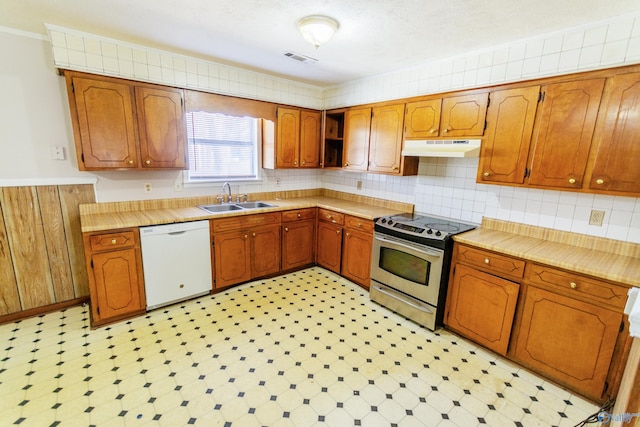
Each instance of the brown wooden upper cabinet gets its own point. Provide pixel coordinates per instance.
(298, 138)
(540, 135)
(373, 140)
(617, 151)
(121, 125)
(357, 127)
(454, 116)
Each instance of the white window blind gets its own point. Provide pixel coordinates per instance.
(222, 147)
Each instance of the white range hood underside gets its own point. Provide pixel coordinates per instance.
(442, 148)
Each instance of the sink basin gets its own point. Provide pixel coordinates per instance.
(254, 205)
(220, 208)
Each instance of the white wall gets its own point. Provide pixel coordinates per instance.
(34, 112)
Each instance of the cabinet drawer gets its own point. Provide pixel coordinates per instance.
(500, 265)
(575, 285)
(359, 223)
(298, 215)
(330, 216)
(116, 240)
(245, 221)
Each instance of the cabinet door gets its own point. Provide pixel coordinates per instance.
(422, 119)
(298, 244)
(265, 250)
(118, 290)
(464, 115)
(570, 341)
(618, 152)
(563, 133)
(161, 122)
(481, 307)
(386, 138)
(105, 123)
(310, 125)
(288, 138)
(357, 126)
(505, 150)
(356, 256)
(329, 246)
(233, 262)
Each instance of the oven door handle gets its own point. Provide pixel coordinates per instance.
(422, 251)
(400, 297)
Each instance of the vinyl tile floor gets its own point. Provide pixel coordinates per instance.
(302, 349)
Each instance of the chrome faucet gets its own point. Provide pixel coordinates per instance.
(228, 187)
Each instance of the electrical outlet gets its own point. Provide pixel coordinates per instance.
(596, 218)
(57, 152)
(178, 185)
(277, 182)
(359, 185)
(147, 187)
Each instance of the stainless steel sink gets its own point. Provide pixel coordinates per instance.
(220, 208)
(254, 205)
(235, 206)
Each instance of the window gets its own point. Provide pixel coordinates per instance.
(222, 147)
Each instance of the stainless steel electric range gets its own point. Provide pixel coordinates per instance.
(410, 265)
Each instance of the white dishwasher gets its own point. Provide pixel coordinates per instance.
(176, 259)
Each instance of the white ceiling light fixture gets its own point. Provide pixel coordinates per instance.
(317, 29)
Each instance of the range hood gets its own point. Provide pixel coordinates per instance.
(441, 147)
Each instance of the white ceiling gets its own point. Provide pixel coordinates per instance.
(375, 36)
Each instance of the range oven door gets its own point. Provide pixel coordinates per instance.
(408, 267)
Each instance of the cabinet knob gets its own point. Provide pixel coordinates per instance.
(348, 234)
(346, 165)
(446, 130)
(486, 260)
(359, 225)
(181, 285)
(286, 229)
(338, 231)
(572, 181)
(295, 162)
(299, 215)
(599, 181)
(573, 285)
(148, 162)
(253, 234)
(304, 163)
(130, 161)
(246, 236)
(486, 174)
(114, 241)
(432, 131)
(395, 168)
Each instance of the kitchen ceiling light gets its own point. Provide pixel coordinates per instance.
(317, 29)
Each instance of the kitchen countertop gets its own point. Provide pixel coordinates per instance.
(100, 217)
(594, 256)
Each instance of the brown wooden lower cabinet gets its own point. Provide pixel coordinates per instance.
(356, 250)
(329, 246)
(481, 307)
(245, 247)
(298, 238)
(116, 286)
(562, 325)
(571, 341)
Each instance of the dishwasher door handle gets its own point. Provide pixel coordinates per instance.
(176, 233)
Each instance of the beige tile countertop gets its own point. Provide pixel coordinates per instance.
(594, 256)
(114, 215)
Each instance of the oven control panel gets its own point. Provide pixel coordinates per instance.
(406, 227)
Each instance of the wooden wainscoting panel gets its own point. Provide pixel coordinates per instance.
(9, 297)
(71, 196)
(54, 235)
(28, 246)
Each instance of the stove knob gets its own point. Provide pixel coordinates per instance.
(429, 231)
(390, 222)
(438, 233)
(384, 220)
